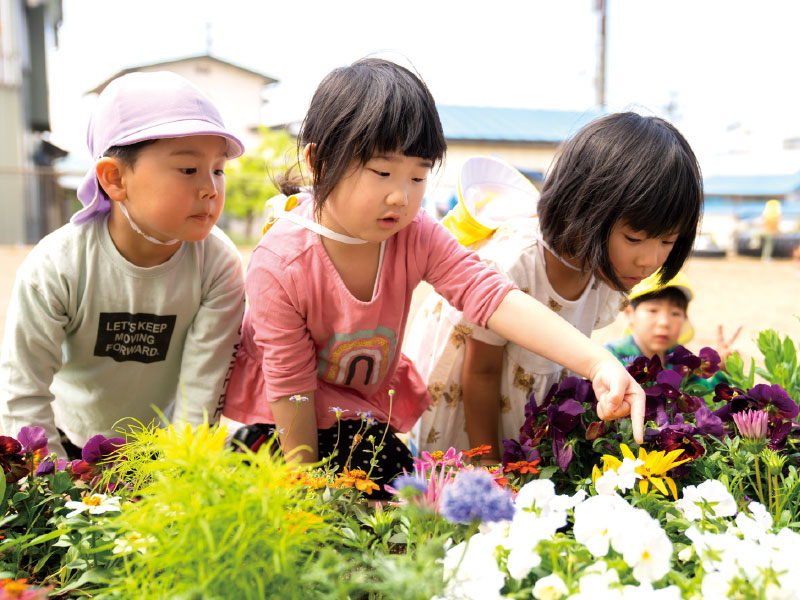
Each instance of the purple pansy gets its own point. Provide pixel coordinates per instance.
(33, 439)
(709, 362)
(683, 361)
(48, 466)
(708, 423)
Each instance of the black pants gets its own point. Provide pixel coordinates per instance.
(391, 460)
(73, 452)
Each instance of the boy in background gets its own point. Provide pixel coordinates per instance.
(658, 321)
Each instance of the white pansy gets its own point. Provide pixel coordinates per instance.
(471, 571)
(627, 472)
(540, 495)
(597, 578)
(595, 519)
(715, 586)
(756, 525)
(527, 529)
(94, 503)
(623, 478)
(714, 550)
(551, 587)
(647, 592)
(537, 493)
(712, 494)
(644, 546)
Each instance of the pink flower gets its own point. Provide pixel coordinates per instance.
(451, 458)
(437, 470)
(752, 424)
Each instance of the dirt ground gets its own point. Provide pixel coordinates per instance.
(730, 291)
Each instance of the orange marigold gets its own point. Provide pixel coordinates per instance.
(358, 479)
(523, 466)
(479, 451)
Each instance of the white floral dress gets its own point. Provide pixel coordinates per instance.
(436, 339)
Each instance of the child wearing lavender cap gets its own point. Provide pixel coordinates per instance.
(133, 307)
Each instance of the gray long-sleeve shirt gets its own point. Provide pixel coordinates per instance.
(93, 341)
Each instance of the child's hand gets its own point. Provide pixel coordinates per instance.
(725, 347)
(618, 395)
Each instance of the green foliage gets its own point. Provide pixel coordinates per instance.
(780, 362)
(216, 524)
(30, 548)
(248, 179)
(734, 367)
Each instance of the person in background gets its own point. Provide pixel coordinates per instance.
(658, 321)
(621, 202)
(770, 223)
(136, 303)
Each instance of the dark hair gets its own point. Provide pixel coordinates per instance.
(628, 169)
(129, 153)
(370, 107)
(671, 294)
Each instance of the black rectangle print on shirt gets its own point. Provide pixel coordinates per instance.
(139, 337)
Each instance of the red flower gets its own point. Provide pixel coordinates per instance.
(523, 466)
(479, 451)
(14, 465)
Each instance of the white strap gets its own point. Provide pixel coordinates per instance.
(275, 208)
(149, 238)
(563, 261)
(316, 227)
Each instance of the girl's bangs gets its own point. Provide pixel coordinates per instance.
(666, 212)
(409, 128)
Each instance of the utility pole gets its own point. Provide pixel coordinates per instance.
(209, 38)
(600, 76)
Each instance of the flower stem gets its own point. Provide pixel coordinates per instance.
(775, 490)
(769, 490)
(758, 480)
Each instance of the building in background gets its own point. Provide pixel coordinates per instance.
(32, 202)
(527, 139)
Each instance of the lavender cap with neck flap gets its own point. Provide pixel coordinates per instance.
(145, 106)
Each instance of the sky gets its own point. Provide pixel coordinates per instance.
(724, 71)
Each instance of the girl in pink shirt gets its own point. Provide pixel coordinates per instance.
(330, 285)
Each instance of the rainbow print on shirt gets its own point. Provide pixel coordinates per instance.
(357, 359)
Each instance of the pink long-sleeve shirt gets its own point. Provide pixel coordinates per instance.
(304, 331)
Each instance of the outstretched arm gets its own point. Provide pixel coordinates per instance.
(528, 323)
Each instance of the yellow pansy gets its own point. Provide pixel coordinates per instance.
(656, 464)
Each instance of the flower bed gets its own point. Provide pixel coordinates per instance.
(707, 507)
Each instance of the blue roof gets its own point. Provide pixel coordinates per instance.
(512, 124)
(751, 185)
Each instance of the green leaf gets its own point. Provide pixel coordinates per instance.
(61, 482)
(90, 576)
(13, 542)
(46, 537)
(547, 472)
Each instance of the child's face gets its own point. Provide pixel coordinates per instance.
(176, 188)
(635, 256)
(656, 325)
(374, 201)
